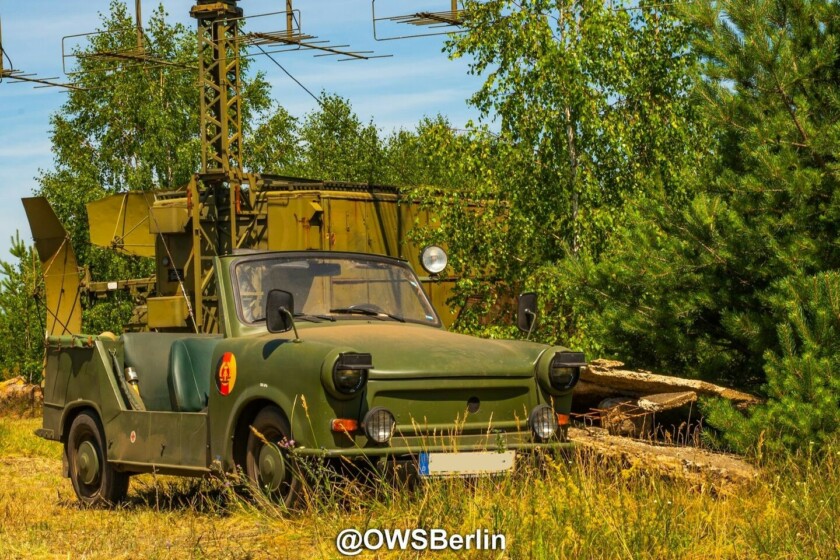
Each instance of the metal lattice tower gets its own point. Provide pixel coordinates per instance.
(219, 81)
(216, 191)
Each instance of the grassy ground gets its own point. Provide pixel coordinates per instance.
(576, 507)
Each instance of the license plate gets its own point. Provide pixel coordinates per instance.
(465, 464)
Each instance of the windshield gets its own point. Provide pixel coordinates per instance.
(334, 288)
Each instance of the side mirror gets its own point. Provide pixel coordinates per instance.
(526, 315)
(279, 311)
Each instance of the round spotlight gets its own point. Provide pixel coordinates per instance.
(434, 259)
(543, 422)
(379, 424)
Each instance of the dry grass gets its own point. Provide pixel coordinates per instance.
(573, 507)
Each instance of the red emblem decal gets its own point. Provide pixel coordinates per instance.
(226, 374)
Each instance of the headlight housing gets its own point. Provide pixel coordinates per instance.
(347, 375)
(379, 424)
(559, 373)
(543, 422)
(564, 370)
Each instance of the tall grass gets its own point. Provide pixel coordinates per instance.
(574, 506)
(584, 506)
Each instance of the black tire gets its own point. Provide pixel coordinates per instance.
(284, 484)
(94, 479)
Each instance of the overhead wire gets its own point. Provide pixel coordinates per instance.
(327, 109)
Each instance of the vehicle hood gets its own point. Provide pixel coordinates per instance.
(412, 351)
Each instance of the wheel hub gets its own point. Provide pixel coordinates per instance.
(272, 468)
(87, 462)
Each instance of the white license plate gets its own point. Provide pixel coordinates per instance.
(465, 464)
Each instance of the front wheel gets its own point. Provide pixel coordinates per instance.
(94, 479)
(267, 461)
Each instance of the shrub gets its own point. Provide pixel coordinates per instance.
(803, 385)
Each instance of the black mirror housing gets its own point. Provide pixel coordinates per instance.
(279, 311)
(526, 314)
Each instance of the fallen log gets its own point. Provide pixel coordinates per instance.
(699, 466)
(18, 396)
(606, 378)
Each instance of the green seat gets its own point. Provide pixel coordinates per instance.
(148, 354)
(190, 370)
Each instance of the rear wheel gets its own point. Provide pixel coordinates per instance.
(94, 479)
(267, 461)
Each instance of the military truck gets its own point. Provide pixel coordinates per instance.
(321, 354)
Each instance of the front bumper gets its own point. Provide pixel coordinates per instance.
(413, 445)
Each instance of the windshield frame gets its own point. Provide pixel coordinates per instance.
(338, 256)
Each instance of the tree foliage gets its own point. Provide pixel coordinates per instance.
(329, 143)
(22, 316)
(802, 388)
(130, 126)
(689, 289)
(593, 114)
(590, 100)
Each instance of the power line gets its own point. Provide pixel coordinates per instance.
(289, 74)
(326, 109)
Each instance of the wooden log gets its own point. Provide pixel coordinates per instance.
(18, 396)
(666, 401)
(696, 465)
(606, 377)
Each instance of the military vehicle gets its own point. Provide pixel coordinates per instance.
(284, 321)
(322, 353)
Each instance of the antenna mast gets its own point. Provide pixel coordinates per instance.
(215, 193)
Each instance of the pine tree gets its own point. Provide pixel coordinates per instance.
(690, 289)
(803, 376)
(22, 316)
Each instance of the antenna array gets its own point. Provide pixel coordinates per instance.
(13, 75)
(441, 22)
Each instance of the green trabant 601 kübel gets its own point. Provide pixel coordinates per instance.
(322, 354)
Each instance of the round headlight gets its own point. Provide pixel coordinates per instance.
(378, 424)
(434, 259)
(348, 380)
(543, 422)
(563, 377)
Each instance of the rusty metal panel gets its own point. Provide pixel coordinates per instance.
(172, 266)
(59, 266)
(363, 222)
(347, 225)
(384, 228)
(294, 222)
(121, 222)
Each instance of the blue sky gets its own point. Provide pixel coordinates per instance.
(395, 92)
